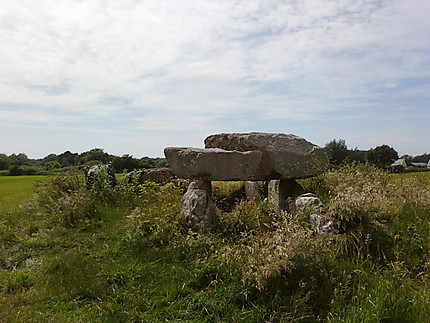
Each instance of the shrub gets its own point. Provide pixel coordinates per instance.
(51, 193)
(77, 206)
(67, 197)
(156, 221)
(261, 257)
(16, 170)
(246, 216)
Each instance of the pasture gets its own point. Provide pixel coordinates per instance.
(15, 189)
(399, 178)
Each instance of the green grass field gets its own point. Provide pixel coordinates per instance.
(15, 189)
(398, 178)
(122, 255)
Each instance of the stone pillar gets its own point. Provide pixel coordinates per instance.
(198, 208)
(282, 192)
(252, 191)
(311, 204)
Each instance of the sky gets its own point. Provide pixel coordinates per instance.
(136, 76)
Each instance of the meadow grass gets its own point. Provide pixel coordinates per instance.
(122, 255)
(15, 189)
(399, 178)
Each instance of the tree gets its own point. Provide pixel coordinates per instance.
(16, 170)
(52, 165)
(126, 162)
(382, 155)
(97, 154)
(49, 158)
(68, 159)
(337, 151)
(4, 162)
(19, 160)
(356, 155)
(148, 162)
(421, 158)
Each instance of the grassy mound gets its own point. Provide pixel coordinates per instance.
(122, 255)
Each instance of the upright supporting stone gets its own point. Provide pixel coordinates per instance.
(252, 191)
(198, 208)
(282, 192)
(311, 204)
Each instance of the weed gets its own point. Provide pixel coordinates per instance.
(246, 216)
(74, 276)
(227, 194)
(6, 236)
(16, 281)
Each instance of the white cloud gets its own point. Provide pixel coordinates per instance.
(203, 61)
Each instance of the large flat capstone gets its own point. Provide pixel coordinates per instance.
(284, 156)
(216, 164)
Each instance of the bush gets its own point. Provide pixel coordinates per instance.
(156, 221)
(245, 217)
(16, 170)
(66, 196)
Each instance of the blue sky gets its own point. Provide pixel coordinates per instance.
(133, 77)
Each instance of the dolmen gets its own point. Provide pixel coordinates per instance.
(277, 158)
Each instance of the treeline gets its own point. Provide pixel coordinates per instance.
(381, 156)
(20, 164)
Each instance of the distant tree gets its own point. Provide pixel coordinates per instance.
(421, 158)
(337, 151)
(126, 162)
(95, 155)
(65, 159)
(16, 170)
(52, 165)
(355, 155)
(382, 155)
(5, 162)
(68, 159)
(148, 162)
(49, 158)
(19, 160)
(161, 162)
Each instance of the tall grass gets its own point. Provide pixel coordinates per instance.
(122, 255)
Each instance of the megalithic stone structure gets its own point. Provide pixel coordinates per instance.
(252, 191)
(284, 156)
(215, 164)
(198, 208)
(251, 156)
(282, 193)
